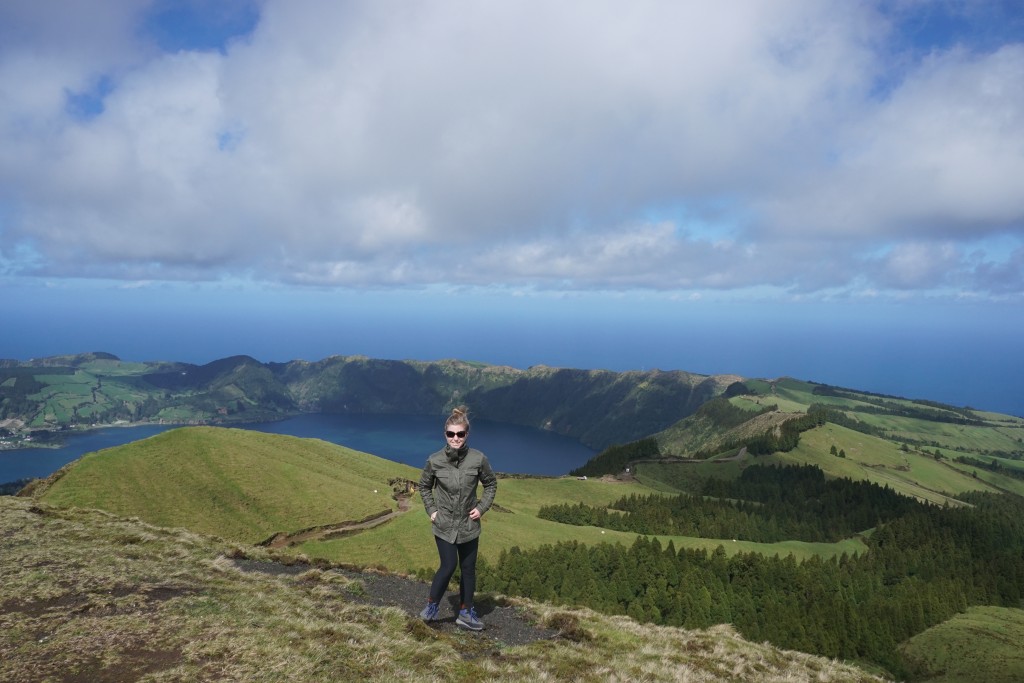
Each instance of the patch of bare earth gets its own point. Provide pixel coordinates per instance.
(104, 656)
(328, 531)
(506, 624)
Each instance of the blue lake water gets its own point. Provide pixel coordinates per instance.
(408, 439)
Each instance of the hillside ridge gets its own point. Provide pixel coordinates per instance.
(596, 407)
(194, 608)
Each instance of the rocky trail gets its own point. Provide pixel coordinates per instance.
(506, 624)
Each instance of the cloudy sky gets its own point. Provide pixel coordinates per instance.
(560, 166)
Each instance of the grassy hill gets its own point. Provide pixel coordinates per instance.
(239, 484)
(244, 486)
(718, 424)
(91, 596)
(980, 646)
(400, 545)
(922, 449)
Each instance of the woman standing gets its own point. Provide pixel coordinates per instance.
(448, 488)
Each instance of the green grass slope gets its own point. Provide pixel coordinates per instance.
(923, 423)
(89, 596)
(404, 544)
(912, 473)
(982, 645)
(715, 425)
(246, 486)
(239, 484)
(910, 445)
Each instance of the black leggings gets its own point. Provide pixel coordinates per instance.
(452, 554)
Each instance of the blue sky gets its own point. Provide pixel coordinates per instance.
(731, 188)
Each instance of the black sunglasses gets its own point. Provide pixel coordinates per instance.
(452, 435)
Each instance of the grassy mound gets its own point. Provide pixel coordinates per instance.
(238, 484)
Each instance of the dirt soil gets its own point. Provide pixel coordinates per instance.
(283, 540)
(505, 625)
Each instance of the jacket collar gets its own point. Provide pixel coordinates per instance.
(456, 455)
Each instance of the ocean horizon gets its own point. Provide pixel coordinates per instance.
(915, 352)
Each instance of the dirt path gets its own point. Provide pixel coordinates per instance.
(283, 539)
(506, 624)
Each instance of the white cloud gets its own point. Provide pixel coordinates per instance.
(510, 142)
(942, 156)
(914, 265)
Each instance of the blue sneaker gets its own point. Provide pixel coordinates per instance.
(467, 619)
(429, 612)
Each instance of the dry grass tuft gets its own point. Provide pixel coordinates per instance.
(88, 596)
(568, 627)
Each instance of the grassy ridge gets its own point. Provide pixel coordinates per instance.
(880, 461)
(912, 473)
(238, 484)
(989, 432)
(118, 599)
(890, 441)
(245, 486)
(596, 407)
(983, 645)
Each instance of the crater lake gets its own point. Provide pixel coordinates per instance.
(407, 439)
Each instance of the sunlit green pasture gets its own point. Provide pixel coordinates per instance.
(995, 479)
(970, 438)
(867, 458)
(797, 399)
(880, 461)
(755, 404)
(1004, 433)
(66, 395)
(237, 484)
(1002, 418)
(60, 395)
(794, 389)
(803, 392)
(406, 544)
(1008, 463)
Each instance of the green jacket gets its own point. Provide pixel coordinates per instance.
(448, 485)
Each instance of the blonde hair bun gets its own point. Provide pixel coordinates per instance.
(459, 416)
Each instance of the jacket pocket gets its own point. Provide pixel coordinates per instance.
(441, 523)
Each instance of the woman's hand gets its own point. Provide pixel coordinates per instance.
(433, 515)
(474, 514)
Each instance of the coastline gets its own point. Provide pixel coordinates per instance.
(27, 438)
